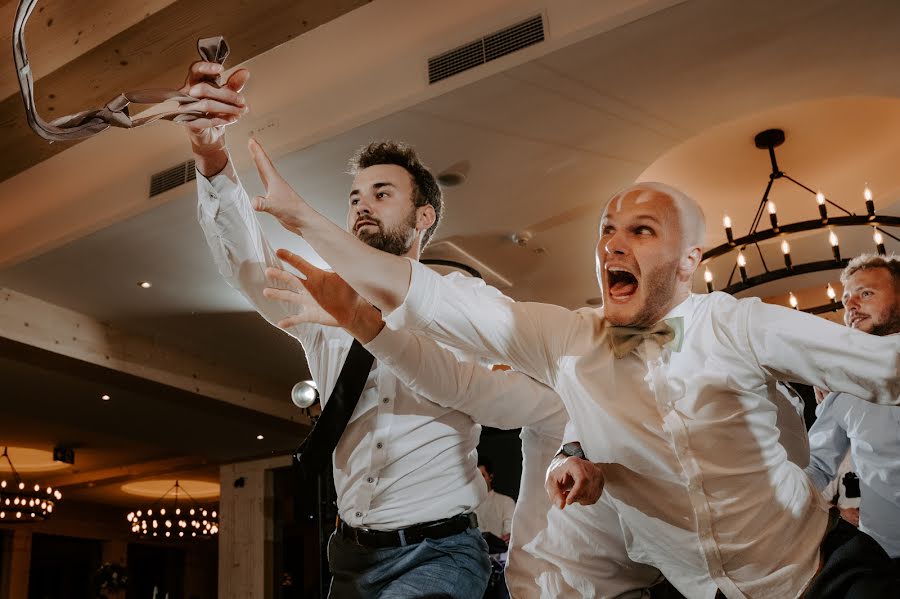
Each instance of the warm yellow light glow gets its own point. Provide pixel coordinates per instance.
(877, 237)
(785, 247)
(771, 207)
(741, 260)
(832, 239)
(830, 292)
(820, 198)
(157, 487)
(707, 276)
(30, 460)
(727, 222)
(867, 193)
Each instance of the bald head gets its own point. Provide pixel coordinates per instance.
(651, 239)
(689, 216)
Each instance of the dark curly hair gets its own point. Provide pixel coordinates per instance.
(425, 186)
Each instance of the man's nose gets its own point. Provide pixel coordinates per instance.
(616, 244)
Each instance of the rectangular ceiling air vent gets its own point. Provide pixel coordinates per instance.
(172, 177)
(490, 47)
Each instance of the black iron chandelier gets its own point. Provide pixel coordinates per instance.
(769, 140)
(178, 521)
(21, 502)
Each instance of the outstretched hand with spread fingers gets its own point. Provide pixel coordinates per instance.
(281, 201)
(321, 297)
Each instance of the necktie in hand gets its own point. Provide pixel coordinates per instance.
(116, 112)
(625, 340)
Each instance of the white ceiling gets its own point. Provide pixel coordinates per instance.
(675, 96)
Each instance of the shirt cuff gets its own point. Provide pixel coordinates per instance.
(387, 345)
(420, 304)
(218, 191)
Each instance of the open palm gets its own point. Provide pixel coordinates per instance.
(323, 297)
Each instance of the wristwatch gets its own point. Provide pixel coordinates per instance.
(572, 450)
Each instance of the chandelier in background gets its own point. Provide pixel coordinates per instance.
(177, 521)
(21, 502)
(769, 140)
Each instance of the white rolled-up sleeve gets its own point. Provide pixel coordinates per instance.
(465, 313)
(799, 347)
(500, 399)
(828, 443)
(239, 246)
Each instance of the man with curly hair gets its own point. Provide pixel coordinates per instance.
(869, 432)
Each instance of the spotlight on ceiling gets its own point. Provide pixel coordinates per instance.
(305, 394)
(145, 284)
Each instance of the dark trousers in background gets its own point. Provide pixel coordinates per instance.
(855, 567)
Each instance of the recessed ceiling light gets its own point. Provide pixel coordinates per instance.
(259, 437)
(145, 284)
(104, 397)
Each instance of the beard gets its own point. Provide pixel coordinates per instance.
(659, 288)
(888, 325)
(396, 240)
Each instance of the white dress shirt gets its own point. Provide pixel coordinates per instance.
(402, 459)
(576, 553)
(871, 434)
(694, 468)
(791, 425)
(495, 513)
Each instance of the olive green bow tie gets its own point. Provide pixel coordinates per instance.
(625, 340)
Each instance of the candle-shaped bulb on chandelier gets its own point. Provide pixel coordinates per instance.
(879, 242)
(773, 218)
(870, 205)
(820, 200)
(786, 250)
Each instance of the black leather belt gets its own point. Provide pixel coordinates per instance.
(413, 535)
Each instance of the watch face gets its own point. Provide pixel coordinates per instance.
(573, 449)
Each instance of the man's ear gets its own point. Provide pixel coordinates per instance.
(690, 261)
(425, 217)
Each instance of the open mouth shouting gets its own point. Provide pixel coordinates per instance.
(621, 283)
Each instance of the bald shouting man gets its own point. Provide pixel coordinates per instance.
(671, 392)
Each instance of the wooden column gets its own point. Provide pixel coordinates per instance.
(16, 564)
(246, 530)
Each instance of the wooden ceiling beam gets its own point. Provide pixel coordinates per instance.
(60, 31)
(33, 322)
(154, 52)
